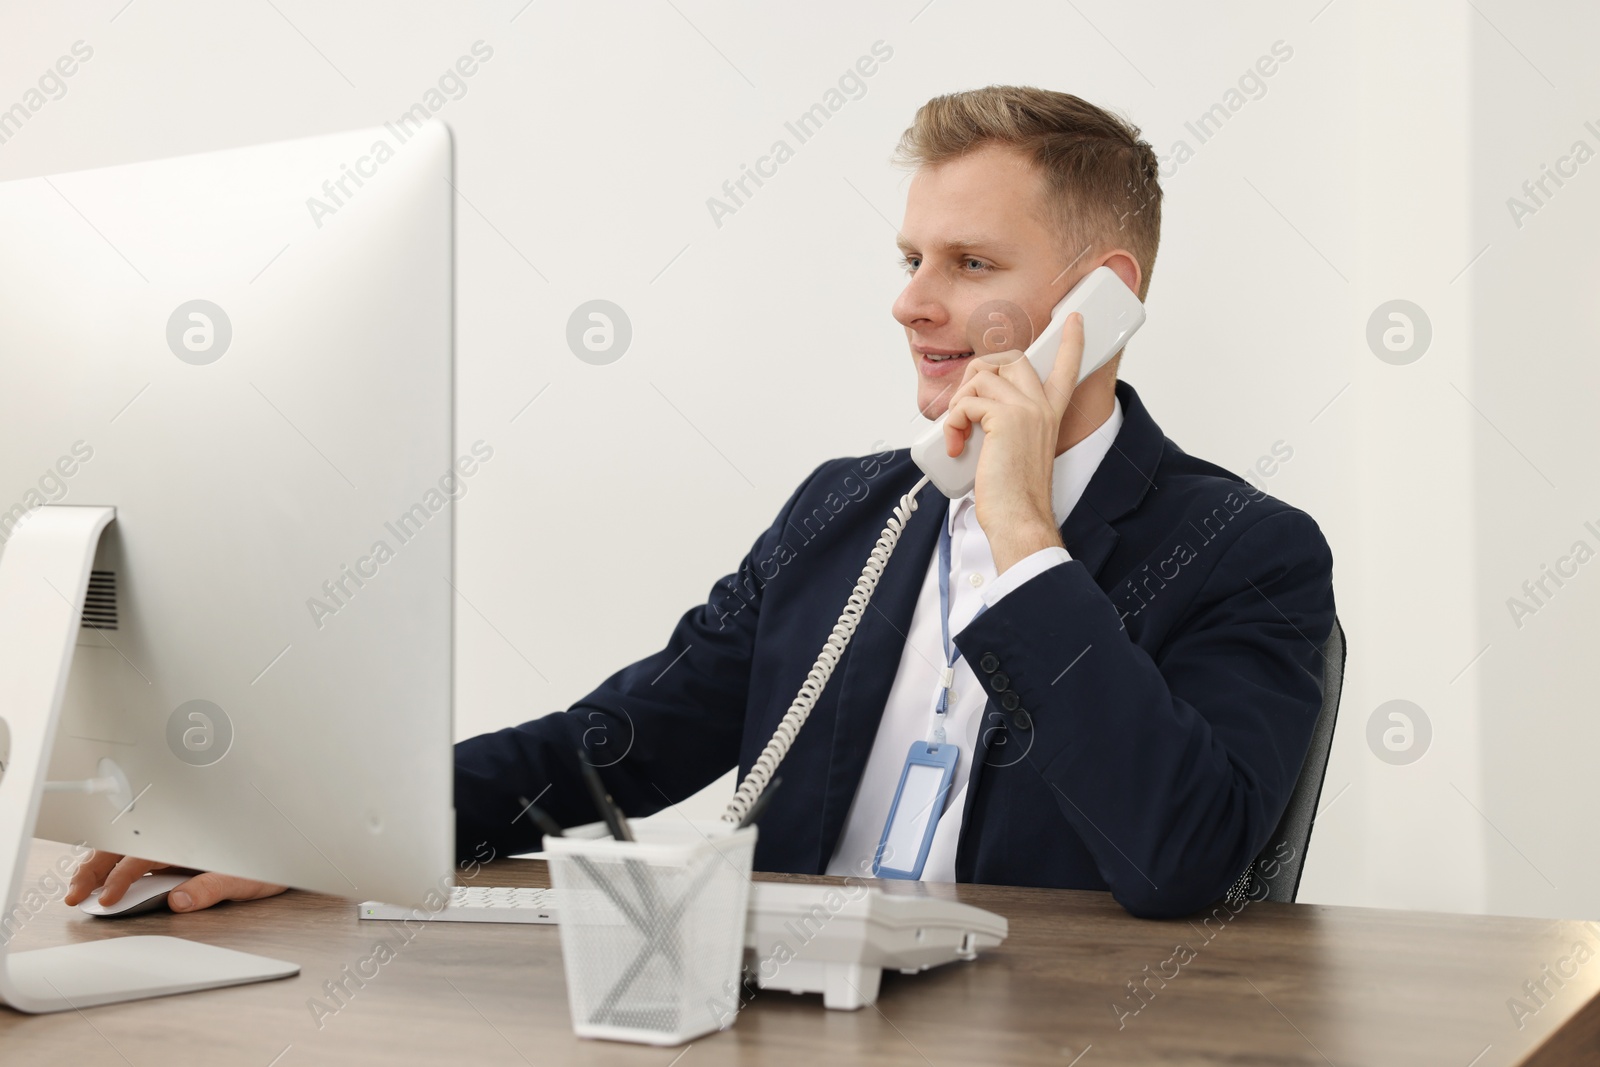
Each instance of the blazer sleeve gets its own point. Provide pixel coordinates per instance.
(657, 730)
(1174, 767)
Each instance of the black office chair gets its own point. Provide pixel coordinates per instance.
(1294, 829)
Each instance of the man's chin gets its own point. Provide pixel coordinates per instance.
(933, 403)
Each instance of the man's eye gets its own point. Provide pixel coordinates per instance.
(909, 263)
(976, 264)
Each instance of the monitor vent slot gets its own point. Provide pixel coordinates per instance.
(100, 606)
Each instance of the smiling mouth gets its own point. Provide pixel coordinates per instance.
(945, 359)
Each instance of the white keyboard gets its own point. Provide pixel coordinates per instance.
(475, 904)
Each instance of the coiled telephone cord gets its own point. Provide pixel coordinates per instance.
(755, 782)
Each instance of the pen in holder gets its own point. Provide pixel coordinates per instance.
(652, 930)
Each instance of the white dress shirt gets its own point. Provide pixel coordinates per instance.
(908, 714)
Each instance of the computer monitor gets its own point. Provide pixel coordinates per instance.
(227, 476)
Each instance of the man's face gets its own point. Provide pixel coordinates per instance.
(986, 269)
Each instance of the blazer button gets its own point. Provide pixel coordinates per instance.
(989, 663)
(1022, 721)
(1009, 701)
(999, 682)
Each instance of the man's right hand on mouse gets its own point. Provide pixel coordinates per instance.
(117, 872)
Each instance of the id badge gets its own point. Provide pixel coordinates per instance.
(914, 815)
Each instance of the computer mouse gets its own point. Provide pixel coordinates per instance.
(145, 894)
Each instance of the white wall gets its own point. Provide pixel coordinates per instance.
(1373, 166)
(1534, 326)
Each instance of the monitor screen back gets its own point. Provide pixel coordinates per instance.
(248, 353)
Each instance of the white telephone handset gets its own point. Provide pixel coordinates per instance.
(1111, 314)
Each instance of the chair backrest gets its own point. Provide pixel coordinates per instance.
(1285, 855)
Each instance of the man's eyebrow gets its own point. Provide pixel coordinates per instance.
(965, 243)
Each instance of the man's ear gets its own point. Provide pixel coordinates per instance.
(1126, 267)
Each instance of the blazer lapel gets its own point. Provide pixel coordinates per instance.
(1089, 538)
(1117, 486)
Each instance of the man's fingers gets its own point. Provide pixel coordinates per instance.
(997, 385)
(999, 360)
(204, 890)
(1010, 384)
(963, 413)
(1063, 377)
(1013, 368)
(116, 873)
(979, 373)
(90, 875)
(128, 870)
(973, 368)
(988, 363)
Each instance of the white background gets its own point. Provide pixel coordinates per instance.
(1376, 165)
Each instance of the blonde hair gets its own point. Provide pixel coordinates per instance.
(1101, 182)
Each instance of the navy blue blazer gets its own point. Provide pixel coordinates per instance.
(1150, 702)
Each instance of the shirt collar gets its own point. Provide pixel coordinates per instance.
(1072, 471)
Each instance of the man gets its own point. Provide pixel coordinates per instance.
(1132, 668)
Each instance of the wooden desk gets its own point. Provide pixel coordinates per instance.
(1276, 984)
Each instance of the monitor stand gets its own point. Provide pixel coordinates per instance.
(44, 577)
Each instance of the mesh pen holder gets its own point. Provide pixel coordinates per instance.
(652, 931)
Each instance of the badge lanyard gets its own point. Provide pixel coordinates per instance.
(947, 678)
(930, 764)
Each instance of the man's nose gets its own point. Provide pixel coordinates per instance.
(919, 304)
